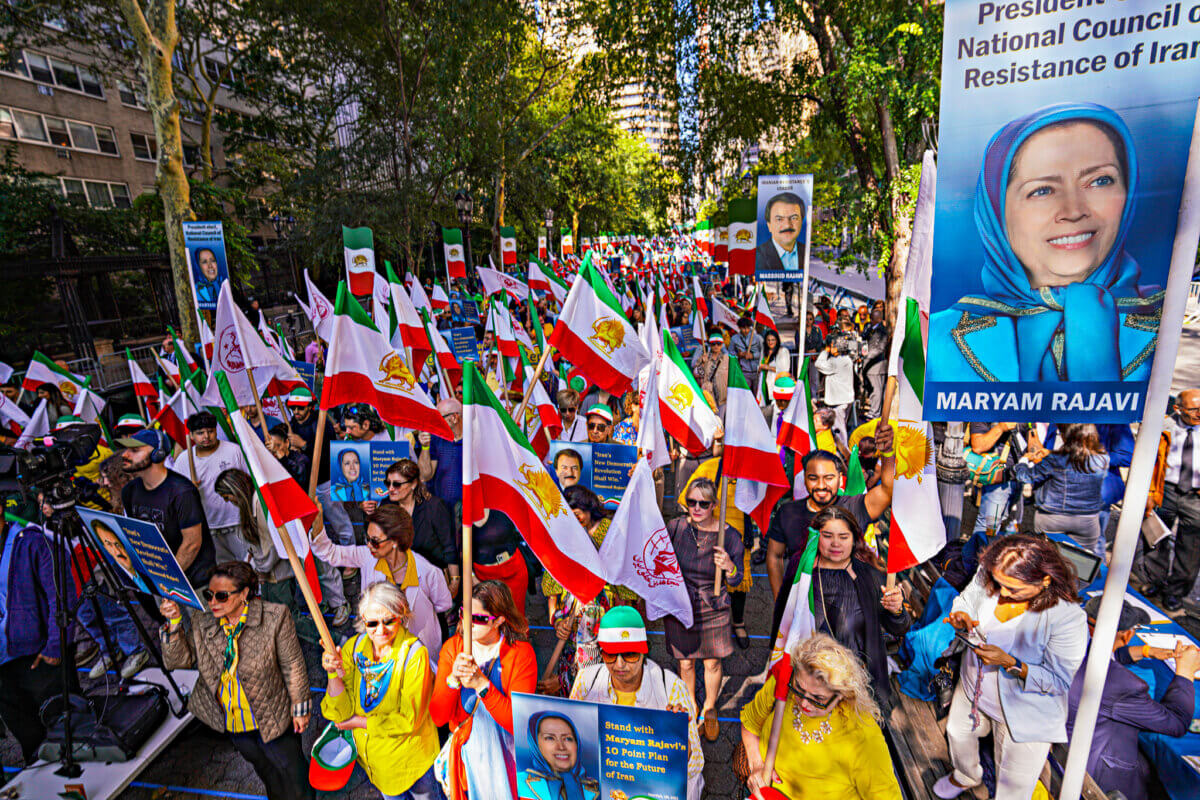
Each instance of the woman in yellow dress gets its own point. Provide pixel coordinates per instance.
(830, 745)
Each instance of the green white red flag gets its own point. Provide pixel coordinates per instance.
(409, 328)
(917, 531)
(416, 291)
(142, 387)
(593, 333)
(500, 465)
(698, 296)
(363, 367)
(42, 370)
(721, 251)
(762, 309)
(566, 242)
(686, 415)
(440, 300)
(508, 245)
(799, 619)
(495, 282)
(742, 235)
(358, 247)
(797, 431)
(452, 250)
(751, 454)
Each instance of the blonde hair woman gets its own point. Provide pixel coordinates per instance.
(379, 687)
(830, 744)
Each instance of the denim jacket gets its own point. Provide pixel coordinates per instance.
(1059, 488)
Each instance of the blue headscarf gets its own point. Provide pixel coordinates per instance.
(1086, 312)
(571, 783)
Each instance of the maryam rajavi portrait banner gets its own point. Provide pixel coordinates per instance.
(597, 751)
(784, 227)
(205, 243)
(139, 556)
(1064, 137)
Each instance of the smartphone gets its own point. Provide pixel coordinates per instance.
(971, 640)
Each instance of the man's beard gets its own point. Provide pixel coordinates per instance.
(136, 467)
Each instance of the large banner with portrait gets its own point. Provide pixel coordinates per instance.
(205, 244)
(358, 470)
(596, 751)
(605, 468)
(784, 227)
(139, 556)
(1064, 138)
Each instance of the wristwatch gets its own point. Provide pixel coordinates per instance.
(1015, 669)
(482, 693)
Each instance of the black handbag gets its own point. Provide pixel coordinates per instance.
(948, 664)
(104, 726)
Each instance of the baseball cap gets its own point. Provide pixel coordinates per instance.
(783, 387)
(601, 410)
(299, 397)
(130, 422)
(622, 630)
(716, 337)
(146, 436)
(333, 757)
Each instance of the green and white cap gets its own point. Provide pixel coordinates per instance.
(333, 757)
(299, 397)
(66, 421)
(602, 411)
(130, 422)
(622, 630)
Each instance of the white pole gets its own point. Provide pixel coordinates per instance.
(1137, 487)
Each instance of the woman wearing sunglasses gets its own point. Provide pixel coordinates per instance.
(852, 604)
(701, 547)
(626, 676)
(379, 688)
(388, 557)
(433, 526)
(830, 744)
(252, 682)
(473, 695)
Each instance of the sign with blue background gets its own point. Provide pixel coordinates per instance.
(205, 243)
(358, 470)
(605, 468)
(784, 227)
(140, 557)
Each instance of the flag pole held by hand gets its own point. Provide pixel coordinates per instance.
(889, 395)
(723, 488)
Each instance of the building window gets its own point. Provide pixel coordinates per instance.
(191, 155)
(7, 131)
(107, 142)
(84, 136)
(55, 72)
(132, 94)
(29, 126)
(145, 148)
(73, 190)
(97, 194)
(120, 195)
(56, 131)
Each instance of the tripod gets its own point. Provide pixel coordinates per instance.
(67, 529)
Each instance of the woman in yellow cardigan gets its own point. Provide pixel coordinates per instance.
(830, 745)
(379, 687)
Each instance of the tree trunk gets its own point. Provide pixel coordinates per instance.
(152, 23)
(206, 146)
(900, 216)
(498, 221)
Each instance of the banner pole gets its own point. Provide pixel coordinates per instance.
(1141, 467)
(885, 415)
(318, 444)
(192, 458)
(262, 418)
(723, 489)
(537, 374)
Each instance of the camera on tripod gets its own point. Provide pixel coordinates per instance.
(50, 468)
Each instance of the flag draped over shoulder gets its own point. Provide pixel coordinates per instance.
(500, 465)
(639, 552)
(593, 333)
(358, 246)
(917, 531)
(750, 452)
(363, 367)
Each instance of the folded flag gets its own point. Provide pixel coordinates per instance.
(500, 464)
(362, 367)
(799, 620)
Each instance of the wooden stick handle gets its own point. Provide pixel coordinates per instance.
(318, 444)
(537, 374)
(552, 664)
(192, 459)
(719, 577)
(262, 418)
(310, 599)
(773, 740)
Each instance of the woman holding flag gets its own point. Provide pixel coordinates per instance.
(473, 695)
(701, 547)
(830, 744)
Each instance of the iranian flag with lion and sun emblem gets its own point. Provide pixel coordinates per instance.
(500, 465)
(362, 367)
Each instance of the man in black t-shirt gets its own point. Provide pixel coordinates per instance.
(824, 474)
(169, 500)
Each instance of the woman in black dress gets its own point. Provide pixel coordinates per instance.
(701, 547)
(852, 604)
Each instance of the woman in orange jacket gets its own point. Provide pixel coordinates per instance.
(473, 695)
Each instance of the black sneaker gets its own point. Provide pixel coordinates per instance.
(1152, 588)
(759, 557)
(1172, 602)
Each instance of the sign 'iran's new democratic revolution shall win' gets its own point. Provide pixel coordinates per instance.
(1063, 143)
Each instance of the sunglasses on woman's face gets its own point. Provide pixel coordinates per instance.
(221, 596)
(816, 702)
(703, 505)
(568, 410)
(373, 542)
(372, 624)
(398, 484)
(628, 658)
(483, 619)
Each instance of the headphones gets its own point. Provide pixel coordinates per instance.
(161, 450)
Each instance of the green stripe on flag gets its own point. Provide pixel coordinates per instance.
(346, 304)
(231, 404)
(357, 238)
(476, 392)
(856, 482)
(451, 236)
(672, 352)
(807, 566)
(589, 273)
(737, 380)
(912, 350)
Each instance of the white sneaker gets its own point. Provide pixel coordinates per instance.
(946, 788)
(99, 668)
(135, 663)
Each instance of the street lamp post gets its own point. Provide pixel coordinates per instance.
(549, 231)
(284, 227)
(747, 183)
(463, 203)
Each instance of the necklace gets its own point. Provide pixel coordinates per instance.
(814, 736)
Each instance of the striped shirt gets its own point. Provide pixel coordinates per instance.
(238, 716)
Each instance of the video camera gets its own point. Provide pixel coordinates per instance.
(50, 468)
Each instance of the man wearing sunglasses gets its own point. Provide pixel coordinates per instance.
(625, 676)
(599, 424)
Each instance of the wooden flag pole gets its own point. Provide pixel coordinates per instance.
(310, 599)
(468, 580)
(318, 444)
(192, 459)
(548, 673)
(262, 418)
(773, 738)
(141, 405)
(889, 395)
(723, 488)
(537, 375)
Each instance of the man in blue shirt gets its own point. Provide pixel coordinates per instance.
(441, 461)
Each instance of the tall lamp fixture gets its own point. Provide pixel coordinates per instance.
(464, 204)
(549, 231)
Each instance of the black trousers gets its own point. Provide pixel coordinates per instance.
(1178, 576)
(22, 692)
(280, 763)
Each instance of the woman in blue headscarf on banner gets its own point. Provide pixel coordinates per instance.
(1061, 299)
(556, 772)
(350, 484)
